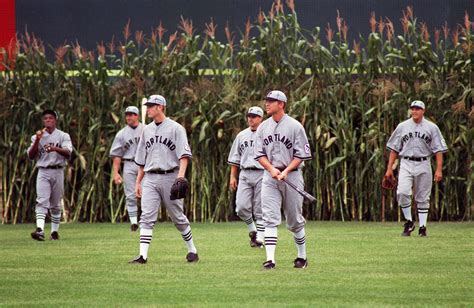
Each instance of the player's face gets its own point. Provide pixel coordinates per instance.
(152, 110)
(253, 121)
(49, 121)
(417, 113)
(131, 118)
(272, 106)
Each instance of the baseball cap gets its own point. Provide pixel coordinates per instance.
(256, 111)
(50, 111)
(276, 95)
(418, 104)
(156, 100)
(132, 109)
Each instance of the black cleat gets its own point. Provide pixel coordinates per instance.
(422, 231)
(253, 239)
(133, 227)
(258, 244)
(268, 265)
(54, 236)
(408, 228)
(138, 260)
(300, 263)
(38, 234)
(192, 257)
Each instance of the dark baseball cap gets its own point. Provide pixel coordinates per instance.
(50, 111)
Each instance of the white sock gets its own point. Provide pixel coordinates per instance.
(300, 241)
(55, 220)
(250, 225)
(260, 231)
(422, 217)
(271, 239)
(40, 219)
(133, 220)
(407, 212)
(188, 239)
(145, 240)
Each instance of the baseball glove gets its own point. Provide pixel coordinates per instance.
(179, 189)
(389, 183)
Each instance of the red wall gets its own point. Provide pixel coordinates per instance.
(7, 27)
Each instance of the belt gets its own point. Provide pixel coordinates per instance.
(52, 167)
(283, 168)
(159, 171)
(415, 158)
(126, 159)
(253, 168)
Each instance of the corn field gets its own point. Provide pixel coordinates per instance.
(349, 96)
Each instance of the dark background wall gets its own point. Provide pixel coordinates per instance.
(92, 21)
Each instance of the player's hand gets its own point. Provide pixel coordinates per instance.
(39, 133)
(282, 175)
(138, 190)
(275, 172)
(233, 183)
(50, 148)
(117, 179)
(389, 173)
(438, 176)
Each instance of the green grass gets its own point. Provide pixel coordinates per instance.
(351, 264)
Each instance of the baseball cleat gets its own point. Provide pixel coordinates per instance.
(253, 239)
(133, 227)
(138, 260)
(38, 234)
(408, 228)
(54, 236)
(268, 265)
(300, 263)
(422, 231)
(192, 257)
(258, 244)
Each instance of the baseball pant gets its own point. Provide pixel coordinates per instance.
(276, 194)
(49, 191)
(155, 191)
(248, 199)
(416, 175)
(130, 172)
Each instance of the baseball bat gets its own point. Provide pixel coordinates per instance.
(300, 191)
(143, 110)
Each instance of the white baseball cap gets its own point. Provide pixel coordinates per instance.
(276, 95)
(132, 109)
(156, 100)
(256, 111)
(418, 104)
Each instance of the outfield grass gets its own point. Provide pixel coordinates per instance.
(350, 264)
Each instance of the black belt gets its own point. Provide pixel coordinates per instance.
(52, 167)
(253, 168)
(126, 159)
(416, 158)
(159, 171)
(283, 169)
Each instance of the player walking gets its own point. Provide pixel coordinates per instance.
(162, 156)
(415, 141)
(281, 148)
(248, 199)
(51, 148)
(123, 149)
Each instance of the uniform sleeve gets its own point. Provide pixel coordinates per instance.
(66, 142)
(140, 154)
(301, 148)
(33, 138)
(117, 147)
(234, 155)
(394, 143)
(438, 144)
(182, 146)
(259, 148)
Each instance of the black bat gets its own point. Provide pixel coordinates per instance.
(300, 191)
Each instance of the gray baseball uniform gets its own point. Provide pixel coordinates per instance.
(159, 151)
(50, 179)
(248, 198)
(281, 142)
(415, 143)
(124, 146)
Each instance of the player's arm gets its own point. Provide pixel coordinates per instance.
(234, 170)
(138, 183)
(116, 170)
(274, 172)
(34, 150)
(438, 176)
(292, 166)
(183, 165)
(391, 160)
(63, 152)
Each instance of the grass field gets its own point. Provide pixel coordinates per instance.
(350, 264)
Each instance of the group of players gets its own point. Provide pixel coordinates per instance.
(263, 158)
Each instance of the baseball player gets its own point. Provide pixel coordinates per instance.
(415, 141)
(123, 149)
(162, 156)
(51, 148)
(281, 147)
(248, 199)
